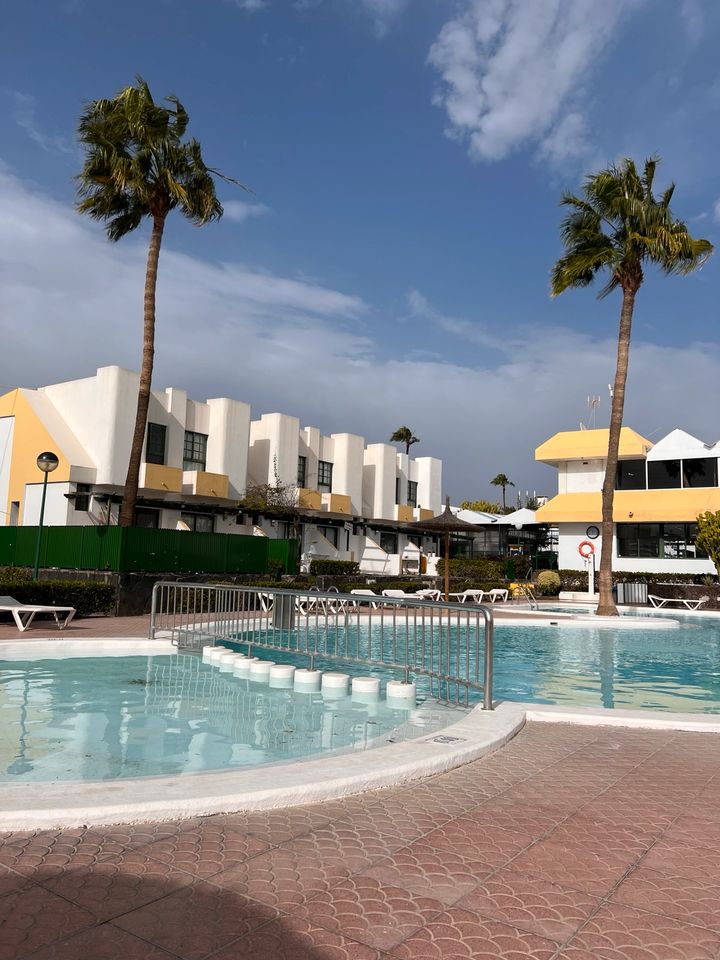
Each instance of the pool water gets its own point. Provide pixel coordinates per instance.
(101, 718)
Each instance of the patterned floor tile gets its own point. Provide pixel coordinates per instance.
(370, 912)
(196, 920)
(398, 820)
(43, 855)
(142, 834)
(106, 942)
(621, 933)
(490, 844)
(591, 869)
(282, 877)
(458, 934)
(518, 818)
(117, 885)
(289, 938)
(700, 830)
(688, 900)
(444, 875)
(273, 826)
(342, 845)
(205, 849)
(531, 904)
(616, 836)
(676, 858)
(34, 918)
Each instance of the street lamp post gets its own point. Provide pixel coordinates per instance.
(47, 462)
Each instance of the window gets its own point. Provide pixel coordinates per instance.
(195, 452)
(412, 493)
(302, 472)
(397, 490)
(415, 539)
(325, 475)
(147, 518)
(702, 472)
(389, 542)
(155, 443)
(330, 533)
(82, 497)
(663, 474)
(199, 522)
(630, 475)
(14, 513)
(665, 541)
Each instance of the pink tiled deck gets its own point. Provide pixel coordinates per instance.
(571, 843)
(78, 629)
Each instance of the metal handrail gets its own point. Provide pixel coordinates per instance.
(436, 639)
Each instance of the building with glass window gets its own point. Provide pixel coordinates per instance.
(200, 458)
(660, 490)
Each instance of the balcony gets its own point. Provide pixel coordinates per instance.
(309, 499)
(337, 503)
(423, 514)
(404, 514)
(155, 476)
(202, 484)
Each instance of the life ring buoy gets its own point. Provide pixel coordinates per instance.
(586, 549)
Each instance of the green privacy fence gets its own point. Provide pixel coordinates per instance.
(136, 548)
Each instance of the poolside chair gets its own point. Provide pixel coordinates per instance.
(24, 613)
(428, 594)
(690, 603)
(374, 603)
(498, 593)
(473, 596)
(399, 595)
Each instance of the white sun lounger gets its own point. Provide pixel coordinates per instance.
(25, 613)
(690, 604)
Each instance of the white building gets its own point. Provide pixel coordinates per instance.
(199, 460)
(660, 490)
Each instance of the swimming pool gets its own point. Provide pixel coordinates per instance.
(569, 663)
(117, 717)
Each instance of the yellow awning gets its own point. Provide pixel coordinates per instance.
(590, 445)
(632, 506)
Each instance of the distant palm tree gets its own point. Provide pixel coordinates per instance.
(137, 166)
(502, 481)
(618, 226)
(404, 435)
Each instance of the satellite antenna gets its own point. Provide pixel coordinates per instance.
(593, 403)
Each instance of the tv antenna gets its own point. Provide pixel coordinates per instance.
(592, 404)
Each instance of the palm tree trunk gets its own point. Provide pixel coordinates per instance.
(504, 507)
(127, 510)
(606, 604)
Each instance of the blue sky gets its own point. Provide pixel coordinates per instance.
(391, 266)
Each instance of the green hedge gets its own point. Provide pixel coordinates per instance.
(334, 568)
(482, 568)
(578, 579)
(87, 596)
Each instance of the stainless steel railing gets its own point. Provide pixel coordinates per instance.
(448, 644)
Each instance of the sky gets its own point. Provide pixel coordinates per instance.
(391, 263)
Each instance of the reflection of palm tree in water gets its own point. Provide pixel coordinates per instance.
(21, 764)
(606, 664)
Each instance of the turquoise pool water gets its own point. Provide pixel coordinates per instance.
(638, 668)
(101, 718)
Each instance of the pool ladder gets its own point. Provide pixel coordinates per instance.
(529, 596)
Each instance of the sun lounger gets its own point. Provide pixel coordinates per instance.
(473, 596)
(689, 603)
(498, 593)
(368, 596)
(24, 613)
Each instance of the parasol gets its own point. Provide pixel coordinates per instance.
(445, 523)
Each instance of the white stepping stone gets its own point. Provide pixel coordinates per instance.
(216, 653)
(366, 688)
(335, 685)
(260, 670)
(398, 690)
(227, 662)
(241, 668)
(281, 676)
(307, 680)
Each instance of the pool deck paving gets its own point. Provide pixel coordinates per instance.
(570, 843)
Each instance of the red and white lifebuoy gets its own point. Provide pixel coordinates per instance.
(586, 549)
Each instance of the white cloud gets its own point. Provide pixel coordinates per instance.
(510, 67)
(251, 6)
(70, 301)
(240, 210)
(693, 18)
(567, 141)
(384, 12)
(716, 211)
(26, 119)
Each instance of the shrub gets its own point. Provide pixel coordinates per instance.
(322, 566)
(548, 583)
(573, 580)
(481, 568)
(276, 568)
(87, 596)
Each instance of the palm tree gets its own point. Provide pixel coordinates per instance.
(138, 167)
(502, 481)
(406, 436)
(619, 226)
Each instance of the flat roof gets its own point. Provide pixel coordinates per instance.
(590, 445)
